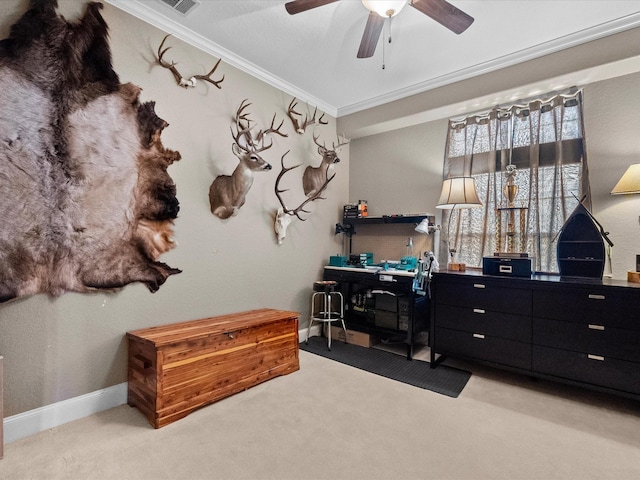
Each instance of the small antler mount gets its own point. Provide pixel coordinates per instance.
(301, 123)
(182, 81)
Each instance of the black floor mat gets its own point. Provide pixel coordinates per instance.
(442, 379)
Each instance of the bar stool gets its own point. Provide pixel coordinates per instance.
(323, 310)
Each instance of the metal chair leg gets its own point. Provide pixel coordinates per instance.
(313, 297)
(325, 314)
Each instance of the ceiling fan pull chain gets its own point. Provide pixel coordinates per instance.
(387, 22)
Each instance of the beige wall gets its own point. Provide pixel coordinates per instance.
(401, 170)
(59, 348)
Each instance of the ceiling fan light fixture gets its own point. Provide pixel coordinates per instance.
(385, 8)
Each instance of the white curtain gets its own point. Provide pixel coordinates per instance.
(544, 140)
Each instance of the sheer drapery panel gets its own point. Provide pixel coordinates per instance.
(544, 140)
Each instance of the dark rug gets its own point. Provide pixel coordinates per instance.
(443, 379)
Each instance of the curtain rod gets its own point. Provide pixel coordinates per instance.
(570, 92)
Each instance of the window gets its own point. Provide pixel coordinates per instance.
(543, 142)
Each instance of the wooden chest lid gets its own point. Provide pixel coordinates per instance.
(174, 332)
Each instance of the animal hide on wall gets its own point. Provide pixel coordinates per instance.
(85, 198)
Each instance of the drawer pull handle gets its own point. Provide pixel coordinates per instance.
(593, 296)
(479, 285)
(596, 327)
(596, 357)
(478, 310)
(478, 335)
(505, 269)
(230, 335)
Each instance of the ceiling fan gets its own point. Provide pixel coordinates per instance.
(440, 10)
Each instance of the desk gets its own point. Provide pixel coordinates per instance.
(369, 302)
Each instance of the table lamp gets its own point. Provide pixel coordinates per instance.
(630, 183)
(457, 193)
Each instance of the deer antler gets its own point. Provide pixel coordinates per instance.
(300, 208)
(300, 127)
(243, 129)
(335, 147)
(184, 82)
(277, 131)
(340, 144)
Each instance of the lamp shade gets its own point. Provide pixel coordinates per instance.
(629, 182)
(423, 227)
(459, 192)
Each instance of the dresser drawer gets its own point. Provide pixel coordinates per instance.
(603, 306)
(483, 294)
(483, 347)
(477, 320)
(588, 338)
(603, 371)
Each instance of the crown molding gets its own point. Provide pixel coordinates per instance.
(604, 30)
(148, 15)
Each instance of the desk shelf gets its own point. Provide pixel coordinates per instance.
(411, 218)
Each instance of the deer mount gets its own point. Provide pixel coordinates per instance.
(182, 81)
(300, 124)
(314, 180)
(229, 192)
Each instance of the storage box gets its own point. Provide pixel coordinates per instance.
(338, 261)
(353, 337)
(386, 319)
(351, 211)
(507, 266)
(386, 301)
(177, 368)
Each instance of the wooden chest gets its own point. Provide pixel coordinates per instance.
(176, 368)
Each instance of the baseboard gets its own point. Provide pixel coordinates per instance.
(29, 423)
(316, 331)
(34, 421)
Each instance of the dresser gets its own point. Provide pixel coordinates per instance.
(580, 331)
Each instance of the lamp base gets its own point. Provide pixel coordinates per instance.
(456, 267)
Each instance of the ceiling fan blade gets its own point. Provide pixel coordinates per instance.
(299, 6)
(444, 13)
(371, 35)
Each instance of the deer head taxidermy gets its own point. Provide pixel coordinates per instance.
(229, 192)
(85, 198)
(299, 124)
(182, 81)
(285, 215)
(314, 178)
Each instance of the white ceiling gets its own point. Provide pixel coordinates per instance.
(312, 55)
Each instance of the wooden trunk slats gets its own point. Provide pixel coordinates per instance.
(176, 368)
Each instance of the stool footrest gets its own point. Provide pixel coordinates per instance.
(327, 317)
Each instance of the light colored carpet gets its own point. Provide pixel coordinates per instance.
(331, 421)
